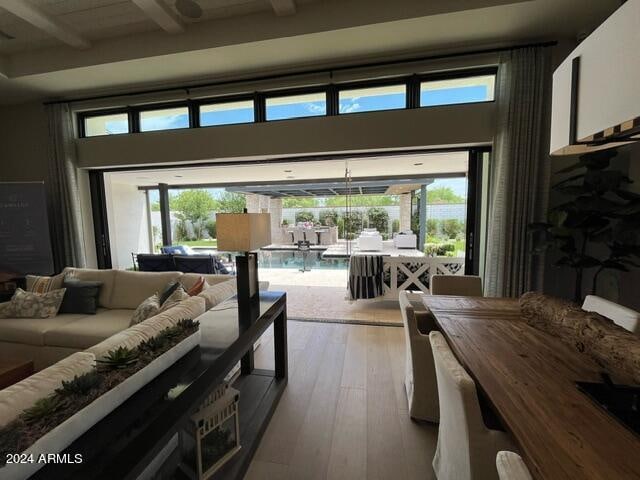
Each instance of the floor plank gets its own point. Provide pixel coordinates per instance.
(343, 414)
(348, 459)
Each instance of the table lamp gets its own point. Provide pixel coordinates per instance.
(244, 233)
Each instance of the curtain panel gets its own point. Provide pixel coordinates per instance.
(520, 171)
(67, 232)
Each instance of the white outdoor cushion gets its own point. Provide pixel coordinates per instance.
(511, 467)
(420, 374)
(24, 394)
(460, 285)
(466, 448)
(622, 316)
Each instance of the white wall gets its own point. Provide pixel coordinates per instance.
(128, 222)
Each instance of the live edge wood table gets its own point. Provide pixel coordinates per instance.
(143, 434)
(529, 376)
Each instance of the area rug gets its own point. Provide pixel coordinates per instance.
(346, 320)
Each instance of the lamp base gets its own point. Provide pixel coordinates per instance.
(248, 299)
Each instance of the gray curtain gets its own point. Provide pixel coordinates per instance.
(67, 232)
(519, 177)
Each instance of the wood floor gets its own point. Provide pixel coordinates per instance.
(344, 412)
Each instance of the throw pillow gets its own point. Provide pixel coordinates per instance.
(147, 309)
(81, 296)
(36, 305)
(197, 287)
(168, 290)
(6, 310)
(174, 299)
(214, 294)
(43, 284)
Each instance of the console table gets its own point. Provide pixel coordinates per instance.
(143, 435)
(529, 377)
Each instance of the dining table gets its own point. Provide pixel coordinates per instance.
(529, 378)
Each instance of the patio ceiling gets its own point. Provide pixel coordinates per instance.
(333, 188)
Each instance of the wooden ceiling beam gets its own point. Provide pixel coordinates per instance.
(161, 13)
(45, 22)
(283, 7)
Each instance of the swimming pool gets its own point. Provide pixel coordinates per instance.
(295, 260)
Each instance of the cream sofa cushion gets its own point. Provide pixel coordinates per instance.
(106, 277)
(31, 331)
(189, 309)
(214, 294)
(189, 279)
(24, 394)
(132, 288)
(89, 329)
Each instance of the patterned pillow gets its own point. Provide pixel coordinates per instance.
(41, 284)
(175, 298)
(36, 305)
(6, 310)
(147, 309)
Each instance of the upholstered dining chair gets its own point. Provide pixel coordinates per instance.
(420, 374)
(460, 285)
(623, 316)
(511, 467)
(466, 448)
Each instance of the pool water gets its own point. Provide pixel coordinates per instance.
(295, 260)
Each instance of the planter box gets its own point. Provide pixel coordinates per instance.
(68, 431)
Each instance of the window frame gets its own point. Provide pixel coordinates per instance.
(386, 82)
(291, 92)
(138, 110)
(331, 92)
(455, 75)
(83, 116)
(198, 104)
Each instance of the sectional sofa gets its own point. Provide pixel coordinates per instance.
(46, 341)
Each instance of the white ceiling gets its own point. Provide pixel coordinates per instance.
(245, 37)
(402, 166)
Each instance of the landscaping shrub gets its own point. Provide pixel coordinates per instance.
(210, 226)
(395, 226)
(328, 218)
(353, 224)
(452, 227)
(305, 216)
(379, 219)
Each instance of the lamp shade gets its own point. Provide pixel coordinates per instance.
(243, 232)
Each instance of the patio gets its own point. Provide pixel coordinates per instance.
(321, 295)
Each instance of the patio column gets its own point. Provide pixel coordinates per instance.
(263, 201)
(423, 217)
(253, 203)
(405, 212)
(275, 209)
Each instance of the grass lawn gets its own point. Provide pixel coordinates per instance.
(210, 243)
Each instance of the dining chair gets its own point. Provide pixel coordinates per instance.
(420, 375)
(311, 236)
(466, 448)
(298, 235)
(459, 285)
(623, 316)
(511, 467)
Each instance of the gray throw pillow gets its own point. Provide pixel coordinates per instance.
(36, 305)
(81, 296)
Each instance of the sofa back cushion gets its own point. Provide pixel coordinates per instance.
(214, 294)
(188, 280)
(106, 277)
(132, 288)
(24, 394)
